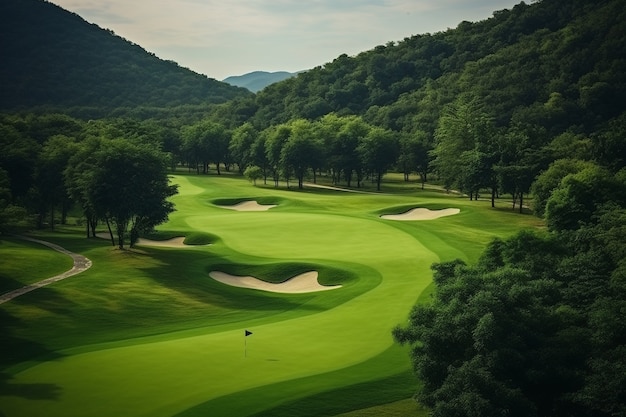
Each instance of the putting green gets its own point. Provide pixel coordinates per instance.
(312, 343)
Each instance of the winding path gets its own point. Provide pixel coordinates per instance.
(80, 264)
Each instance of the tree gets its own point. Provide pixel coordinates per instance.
(53, 160)
(253, 173)
(128, 186)
(414, 155)
(518, 165)
(378, 152)
(205, 142)
(498, 338)
(579, 196)
(327, 129)
(241, 143)
(259, 156)
(10, 214)
(301, 151)
(346, 148)
(609, 146)
(605, 384)
(78, 176)
(195, 147)
(276, 138)
(464, 148)
(219, 139)
(475, 172)
(18, 154)
(549, 180)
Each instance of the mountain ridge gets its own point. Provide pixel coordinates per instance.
(54, 59)
(256, 81)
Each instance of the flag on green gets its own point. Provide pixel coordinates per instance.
(248, 333)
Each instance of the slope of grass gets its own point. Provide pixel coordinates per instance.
(148, 332)
(25, 262)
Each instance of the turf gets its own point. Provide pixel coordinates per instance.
(24, 263)
(148, 333)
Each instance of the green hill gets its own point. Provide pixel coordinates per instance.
(52, 58)
(519, 62)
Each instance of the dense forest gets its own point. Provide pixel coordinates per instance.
(530, 103)
(53, 60)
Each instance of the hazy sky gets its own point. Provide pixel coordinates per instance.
(223, 38)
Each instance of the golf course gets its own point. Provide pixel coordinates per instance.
(210, 323)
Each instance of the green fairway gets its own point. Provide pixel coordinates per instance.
(148, 333)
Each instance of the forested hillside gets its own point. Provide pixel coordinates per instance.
(53, 59)
(549, 53)
(488, 105)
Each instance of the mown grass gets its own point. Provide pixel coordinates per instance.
(25, 262)
(147, 332)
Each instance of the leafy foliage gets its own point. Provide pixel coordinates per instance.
(519, 333)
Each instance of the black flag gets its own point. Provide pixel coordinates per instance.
(248, 333)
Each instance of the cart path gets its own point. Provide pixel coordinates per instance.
(80, 264)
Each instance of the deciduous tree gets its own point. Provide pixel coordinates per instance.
(378, 152)
(128, 186)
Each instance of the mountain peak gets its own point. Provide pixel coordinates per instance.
(255, 81)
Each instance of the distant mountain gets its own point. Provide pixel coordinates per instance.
(53, 59)
(258, 80)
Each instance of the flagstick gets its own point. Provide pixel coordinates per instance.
(246, 333)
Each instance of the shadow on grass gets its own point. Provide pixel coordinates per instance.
(8, 284)
(327, 403)
(16, 350)
(28, 391)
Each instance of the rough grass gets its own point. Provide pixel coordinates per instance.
(147, 332)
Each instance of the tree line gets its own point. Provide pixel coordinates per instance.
(52, 164)
(345, 148)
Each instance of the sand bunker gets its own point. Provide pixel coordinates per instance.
(176, 242)
(250, 206)
(303, 283)
(421, 214)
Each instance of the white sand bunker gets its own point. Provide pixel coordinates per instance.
(176, 242)
(422, 214)
(250, 206)
(303, 283)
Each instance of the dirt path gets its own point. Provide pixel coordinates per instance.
(80, 264)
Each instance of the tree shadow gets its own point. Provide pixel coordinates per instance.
(15, 350)
(8, 284)
(28, 391)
